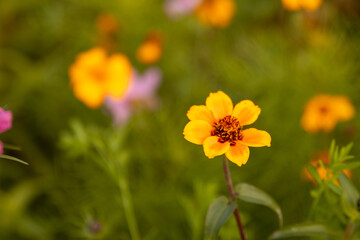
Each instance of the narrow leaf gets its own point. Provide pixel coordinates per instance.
(314, 173)
(11, 147)
(13, 159)
(252, 194)
(344, 166)
(303, 230)
(350, 197)
(219, 211)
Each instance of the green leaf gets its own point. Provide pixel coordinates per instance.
(303, 230)
(219, 211)
(336, 189)
(343, 166)
(252, 194)
(350, 196)
(11, 147)
(13, 159)
(314, 173)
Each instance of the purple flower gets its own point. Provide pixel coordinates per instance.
(5, 124)
(178, 8)
(141, 92)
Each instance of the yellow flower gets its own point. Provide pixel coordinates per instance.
(217, 13)
(323, 112)
(295, 5)
(95, 75)
(150, 50)
(218, 126)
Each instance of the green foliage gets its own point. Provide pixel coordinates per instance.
(252, 194)
(304, 230)
(219, 212)
(276, 58)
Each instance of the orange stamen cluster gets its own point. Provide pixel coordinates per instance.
(228, 129)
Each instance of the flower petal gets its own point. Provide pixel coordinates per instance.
(219, 104)
(256, 138)
(200, 112)
(5, 120)
(197, 131)
(246, 112)
(90, 93)
(238, 154)
(213, 148)
(118, 75)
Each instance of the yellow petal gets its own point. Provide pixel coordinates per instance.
(213, 148)
(219, 104)
(197, 131)
(91, 58)
(89, 93)
(343, 108)
(200, 112)
(291, 5)
(256, 138)
(238, 154)
(119, 75)
(311, 5)
(246, 112)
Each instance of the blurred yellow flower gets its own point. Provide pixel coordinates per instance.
(323, 112)
(323, 172)
(217, 13)
(295, 5)
(218, 126)
(150, 50)
(95, 75)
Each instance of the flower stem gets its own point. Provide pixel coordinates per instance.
(128, 208)
(233, 197)
(349, 230)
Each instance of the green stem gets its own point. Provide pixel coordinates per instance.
(233, 197)
(128, 208)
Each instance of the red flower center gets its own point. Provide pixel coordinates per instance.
(228, 129)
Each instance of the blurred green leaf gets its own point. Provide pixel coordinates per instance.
(337, 167)
(13, 159)
(11, 147)
(219, 211)
(303, 230)
(314, 173)
(252, 194)
(350, 197)
(335, 188)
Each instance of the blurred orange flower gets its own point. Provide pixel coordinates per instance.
(324, 111)
(150, 50)
(94, 75)
(218, 126)
(295, 5)
(217, 13)
(323, 173)
(107, 24)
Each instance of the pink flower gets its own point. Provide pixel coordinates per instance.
(5, 124)
(178, 8)
(141, 91)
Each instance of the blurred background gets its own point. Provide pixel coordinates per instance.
(275, 55)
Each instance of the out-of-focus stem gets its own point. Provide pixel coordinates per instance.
(128, 208)
(233, 197)
(348, 230)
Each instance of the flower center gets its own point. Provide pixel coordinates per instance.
(228, 129)
(99, 74)
(324, 110)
